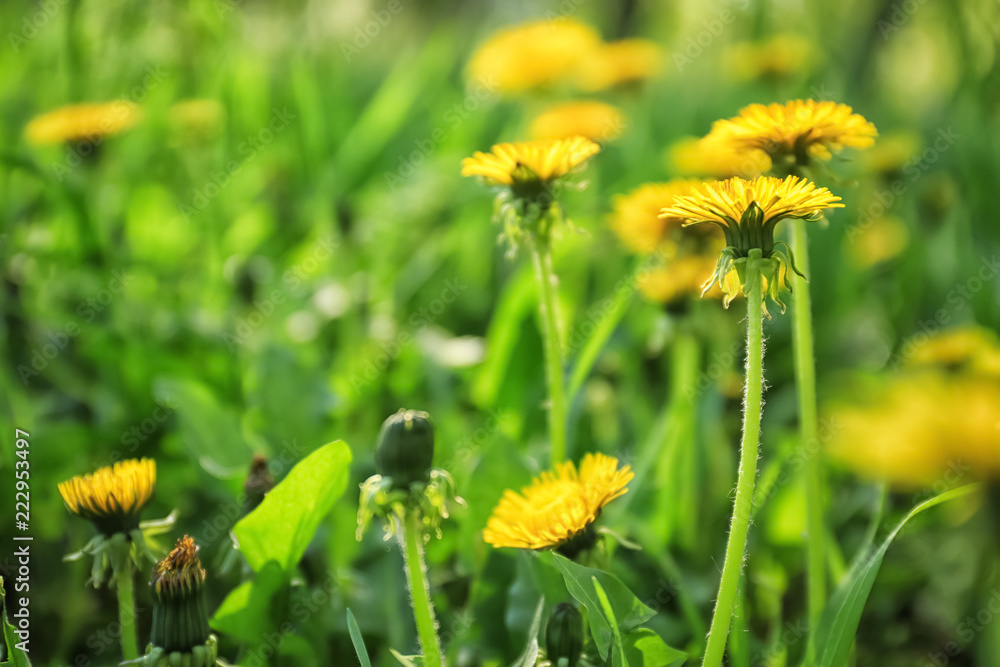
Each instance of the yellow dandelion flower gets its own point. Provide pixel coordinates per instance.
(596, 121)
(543, 160)
(801, 129)
(619, 63)
(532, 55)
(777, 58)
(558, 506)
(635, 217)
(726, 202)
(113, 497)
(698, 157)
(82, 122)
(747, 212)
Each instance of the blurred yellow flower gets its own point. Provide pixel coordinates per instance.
(725, 202)
(778, 57)
(525, 162)
(82, 122)
(533, 55)
(558, 505)
(697, 157)
(801, 129)
(594, 120)
(970, 349)
(921, 429)
(635, 217)
(891, 153)
(112, 497)
(617, 63)
(682, 276)
(197, 119)
(881, 240)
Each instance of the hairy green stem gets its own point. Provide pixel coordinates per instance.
(411, 543)
(126, 613)
(805, 376)
(736, 547)
(541, 255)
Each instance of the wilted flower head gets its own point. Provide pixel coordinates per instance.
(533, 55)
(558, 506)
(619, 63)
(747, 212)
(82, 122)
(113, 497)
(596, 121)
(798, 131)
(180, 633)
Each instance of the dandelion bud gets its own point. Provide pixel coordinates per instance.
(257, 485)
(405, 448)
(180, 615)
(564, 635)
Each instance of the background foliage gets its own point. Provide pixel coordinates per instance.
(310, 261)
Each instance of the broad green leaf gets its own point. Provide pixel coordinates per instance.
(210, 432)
(530, 653)
(628, 610)
(357, 640)
(245, 614)
(839, 623)
(15, 656)
(644, 648)
(282, 526)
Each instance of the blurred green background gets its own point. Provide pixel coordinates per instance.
(301, 259)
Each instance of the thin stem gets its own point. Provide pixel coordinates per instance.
(411, 543)
(126, 613)
(736, 547)
(541, 255)
(805, 376)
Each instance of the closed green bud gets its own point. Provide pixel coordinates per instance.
(405, 448)
(564, 635)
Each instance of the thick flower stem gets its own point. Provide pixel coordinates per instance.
(736, 547)
(411, 543)
(126, 613)
(541, 255)
(805, 375)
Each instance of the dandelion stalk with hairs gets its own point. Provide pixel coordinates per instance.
(796, 136)
(411, 498)
(530, 172)
(755, 265)
(113, 498)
